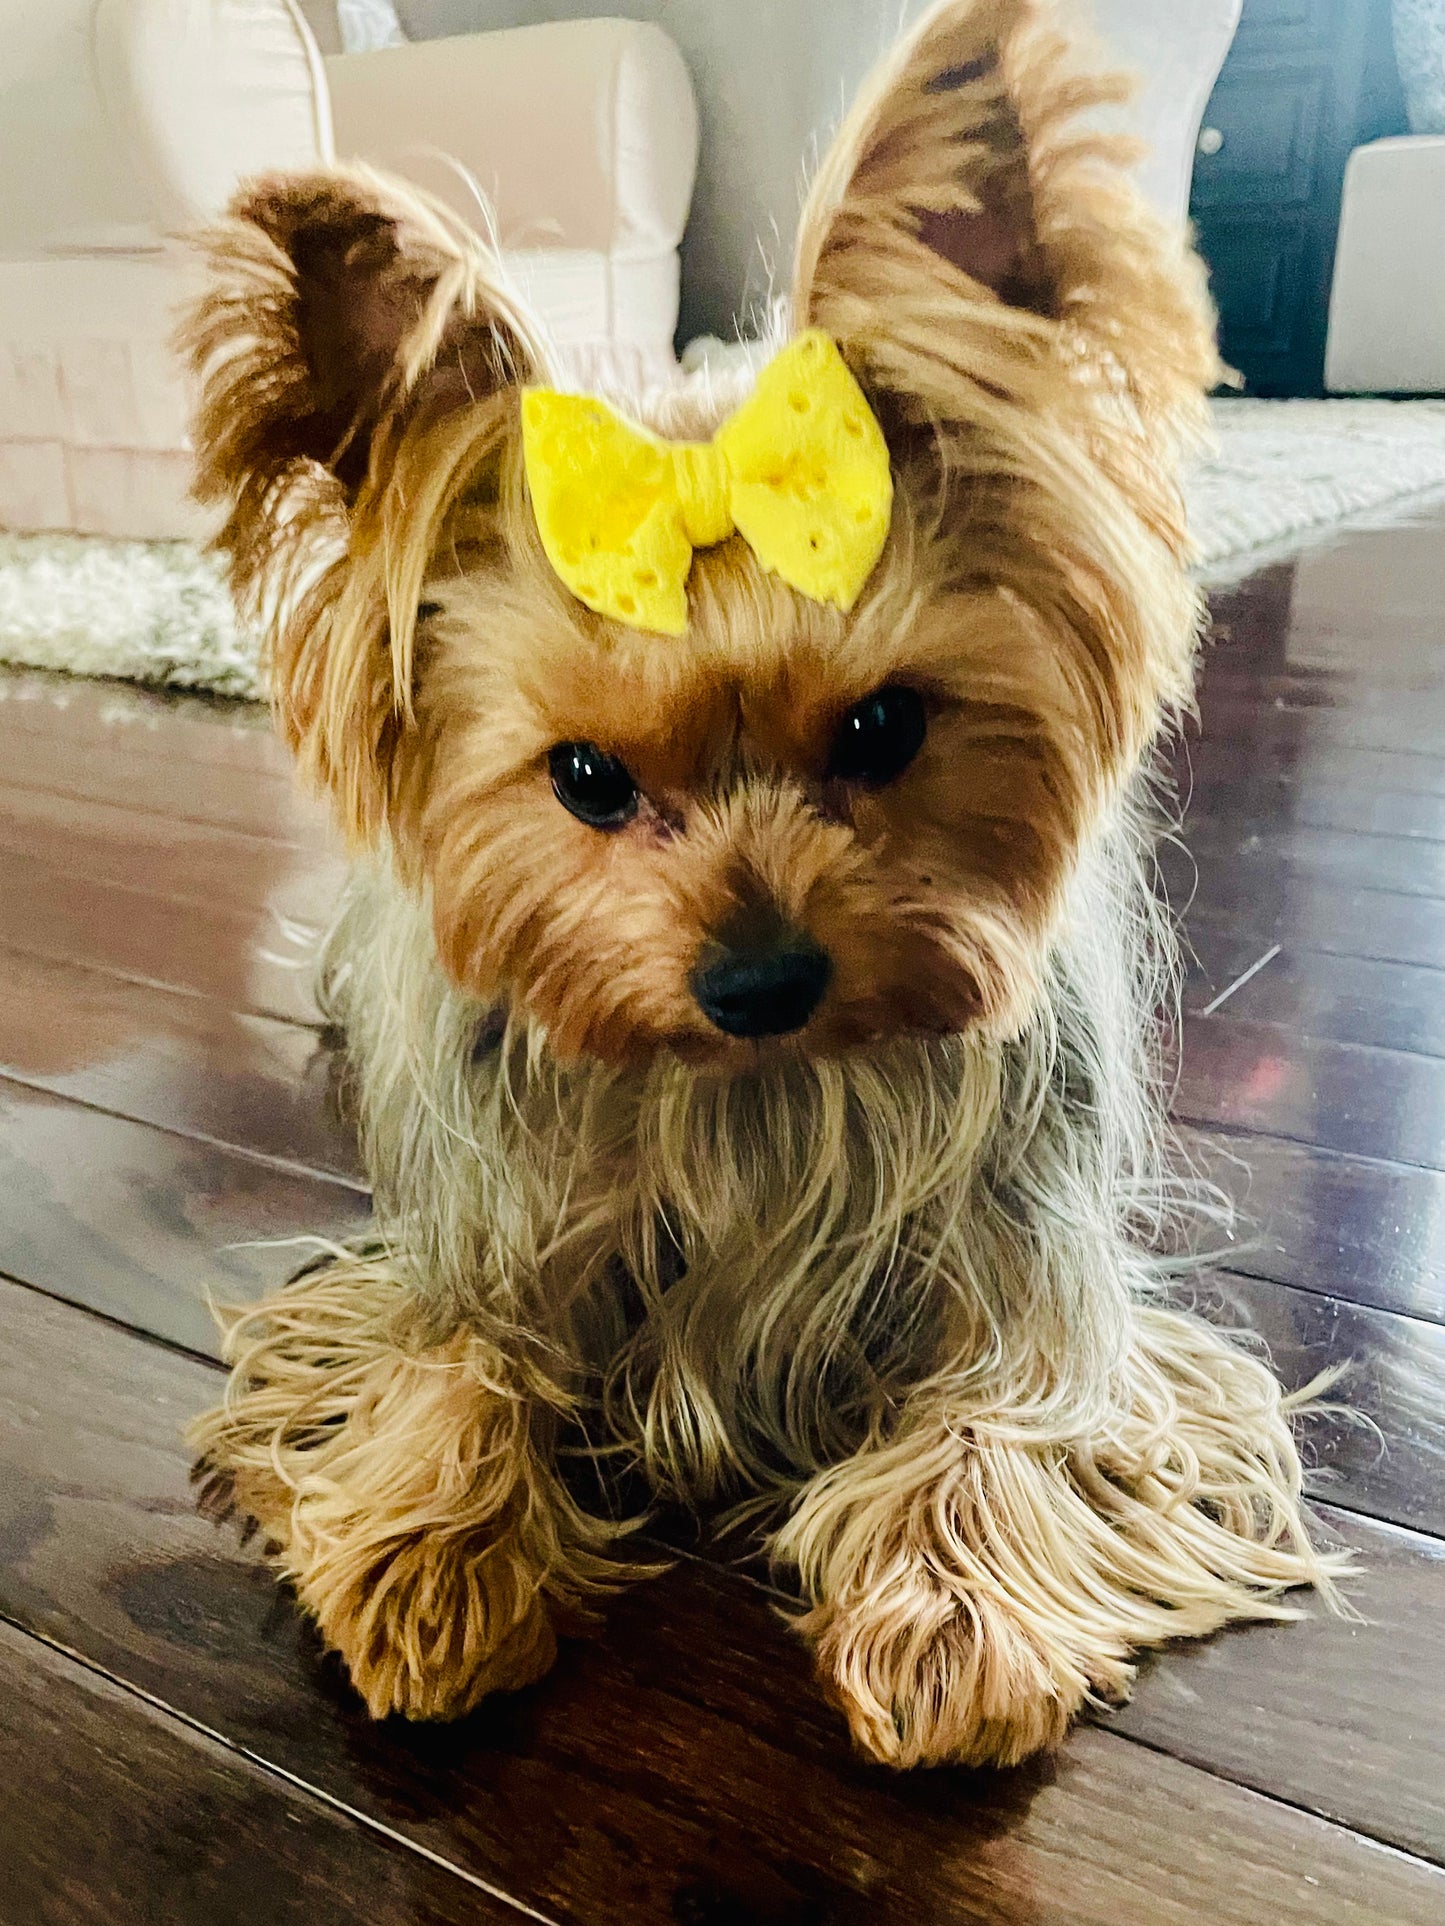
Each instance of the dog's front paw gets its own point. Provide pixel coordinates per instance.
(929, 1675)
(429, 1624)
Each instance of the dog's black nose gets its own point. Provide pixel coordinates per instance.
(763, 993)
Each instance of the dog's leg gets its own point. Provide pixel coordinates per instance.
(398, 1486)
(972, 1586)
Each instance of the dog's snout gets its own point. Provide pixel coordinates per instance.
(763, 993)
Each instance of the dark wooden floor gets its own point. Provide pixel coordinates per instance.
(172, 1747)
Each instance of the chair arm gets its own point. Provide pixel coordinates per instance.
(202, 96)
(581, 134)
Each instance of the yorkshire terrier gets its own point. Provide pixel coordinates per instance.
(750, 973)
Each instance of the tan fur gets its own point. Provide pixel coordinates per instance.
(898, 1273)
(411, 1505)
(976, 1591)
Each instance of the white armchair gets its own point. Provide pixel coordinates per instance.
(124, 123)
(1387, 301)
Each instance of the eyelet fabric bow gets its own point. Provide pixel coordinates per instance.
(800, 471)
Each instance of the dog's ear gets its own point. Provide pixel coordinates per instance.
(345, 320)
(963, 181)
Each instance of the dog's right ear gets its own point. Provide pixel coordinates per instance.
(343, 315)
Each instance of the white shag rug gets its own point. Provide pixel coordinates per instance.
(1285, 473)
(1290, 473)
(156, 612)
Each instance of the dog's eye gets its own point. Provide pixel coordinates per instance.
(593, 785)
(879, 737)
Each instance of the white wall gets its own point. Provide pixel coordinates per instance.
(774, 76)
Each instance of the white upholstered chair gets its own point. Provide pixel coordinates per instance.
(125, 122)
(1387, 302)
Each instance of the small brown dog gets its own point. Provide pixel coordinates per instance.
(753, 1027)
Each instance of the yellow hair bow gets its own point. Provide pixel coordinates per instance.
(800, 472)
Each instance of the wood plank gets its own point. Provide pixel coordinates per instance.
(1350, 1227)
(1219, 767)
(1404, 680)
(1244, 1075)
(1309, 915)
(1330, 602)
(259, 800)
(678, 1767)
(205, 730)
(183, 1062)
(1338, 643)
(1265, 854)
(1253, 808)
(143, 1225)
(127, 1813)
(1269, 727)
(165, 855)
(1338, 1716)
(1379, 1447)
(1350, 999)
(247, 959)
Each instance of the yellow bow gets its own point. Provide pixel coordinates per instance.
(800, 472)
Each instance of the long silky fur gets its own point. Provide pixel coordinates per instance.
(916, 1297)
(925, 1296)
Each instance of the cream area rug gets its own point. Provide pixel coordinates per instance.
(156, 612)
(1288, 473)
(1284, 473)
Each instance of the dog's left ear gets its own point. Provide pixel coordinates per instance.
(961, 182)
